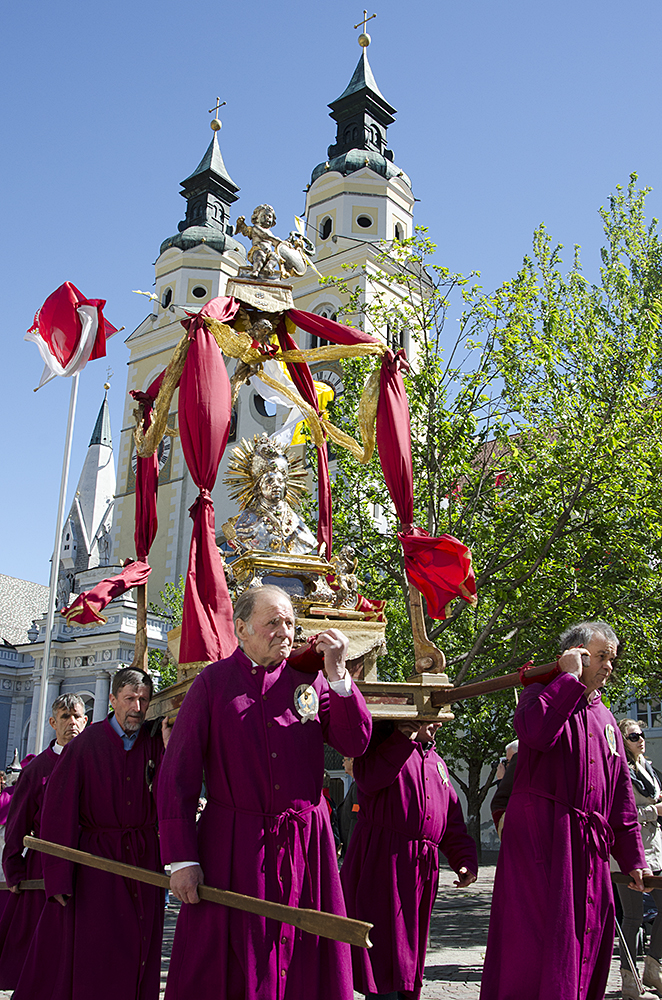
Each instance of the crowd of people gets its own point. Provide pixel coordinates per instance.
(251, 731)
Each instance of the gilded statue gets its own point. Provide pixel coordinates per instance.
(267, 480)
(271, 257)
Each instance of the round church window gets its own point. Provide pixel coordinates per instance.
(364, 221)
(199, 291)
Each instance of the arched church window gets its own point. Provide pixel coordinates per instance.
(166, 298)
(364, 221)
(326, 227)
(399, 232)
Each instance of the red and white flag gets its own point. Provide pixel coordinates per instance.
(69, 331)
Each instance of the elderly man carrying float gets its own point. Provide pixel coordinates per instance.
(552, 923)
(256, 727)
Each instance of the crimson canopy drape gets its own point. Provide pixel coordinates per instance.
(439, 567)
(204, 425)
(86, 609)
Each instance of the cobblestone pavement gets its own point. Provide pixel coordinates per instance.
(458, 935)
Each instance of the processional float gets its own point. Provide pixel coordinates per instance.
(254, 324)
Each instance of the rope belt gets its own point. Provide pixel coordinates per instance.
(596, 831)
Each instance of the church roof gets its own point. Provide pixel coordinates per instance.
(101, 432)
(213, 161)
(362, 79)
(20, 602)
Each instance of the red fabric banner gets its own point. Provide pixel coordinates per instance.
(303, 380)
(86, 609)
(204, 425)
(223, 308)
(57, 329)
(147, 479)
(328, 329)
(439, 567)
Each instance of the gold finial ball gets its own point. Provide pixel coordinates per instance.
(215, 124)
(364, 40)
(106, 385)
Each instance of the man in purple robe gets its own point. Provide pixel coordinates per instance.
(100, 935)
(257, 728)
(408, 810)
(552, 923)
(23, 909)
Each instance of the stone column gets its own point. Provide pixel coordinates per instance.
(101, 694)
(32, 732)
(15, 734)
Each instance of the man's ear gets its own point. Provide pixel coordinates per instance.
(51, 722)
(240, 629)
(86, 721)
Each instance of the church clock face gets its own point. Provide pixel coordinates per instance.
(330, 377)
(163, 452)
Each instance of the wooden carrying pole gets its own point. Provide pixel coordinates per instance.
(650, 881)
(28, 883)
(451, 695)
(328, 925)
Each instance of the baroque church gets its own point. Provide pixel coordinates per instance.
(357, 200)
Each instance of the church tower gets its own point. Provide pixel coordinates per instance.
(357, 197)
(86, 533)
(193, 267)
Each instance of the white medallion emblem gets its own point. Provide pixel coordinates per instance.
(306, 702)
(441, 767)
(610, 734)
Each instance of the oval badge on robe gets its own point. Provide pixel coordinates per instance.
(306, 702)
(610, 734)
(441, 767)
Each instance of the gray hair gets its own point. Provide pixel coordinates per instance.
(130, 676)
(582, 633)
(67, 702)
(513, 747)
(245, 604)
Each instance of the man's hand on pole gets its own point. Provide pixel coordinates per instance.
(466, 878)
(62, 900)
(334, 645)
(637, 876)
(570, 661)
(184, 883)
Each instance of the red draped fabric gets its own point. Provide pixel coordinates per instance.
(328, 329)
(204, 425)
(86, 609)
(223, 308)
(147, 479)
(439, 567)
(303, 380)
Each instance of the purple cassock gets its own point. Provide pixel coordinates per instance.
(22, 911)
(265, 830)
(408, 809)
(552, 923)
(106, 941)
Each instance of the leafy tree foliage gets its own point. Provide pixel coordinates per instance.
(171, 607)
(537, 441)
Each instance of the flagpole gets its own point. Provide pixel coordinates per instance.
(55, 567)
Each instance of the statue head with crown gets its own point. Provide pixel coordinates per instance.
(267, 480)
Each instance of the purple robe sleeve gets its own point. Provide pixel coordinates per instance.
(346, 721)
(543, 711)
(23, 807)
(180, 776)
(381, 768)
(456, 844)
(627, 848)
(60, 822)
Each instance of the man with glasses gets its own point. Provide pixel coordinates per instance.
(552, 923)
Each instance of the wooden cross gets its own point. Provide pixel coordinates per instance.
(365, 20)
(214, 111)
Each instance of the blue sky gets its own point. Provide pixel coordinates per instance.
(509, 114)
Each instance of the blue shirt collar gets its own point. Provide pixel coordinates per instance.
(128, 739)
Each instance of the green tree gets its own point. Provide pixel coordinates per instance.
(171, 607)
(536, 440)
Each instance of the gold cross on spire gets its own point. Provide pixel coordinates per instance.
(215, 122)
(365, 20)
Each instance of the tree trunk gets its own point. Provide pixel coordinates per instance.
(474, 802)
